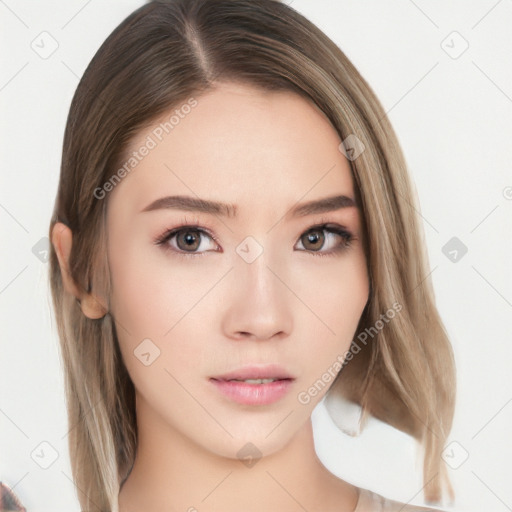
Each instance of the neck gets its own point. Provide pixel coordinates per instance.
(172, 472)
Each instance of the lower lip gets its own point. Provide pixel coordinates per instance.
(253, 394)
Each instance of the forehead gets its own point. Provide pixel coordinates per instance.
(237, 144)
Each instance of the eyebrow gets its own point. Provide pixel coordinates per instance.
(193, 204)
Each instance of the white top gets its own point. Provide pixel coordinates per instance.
(371, 502)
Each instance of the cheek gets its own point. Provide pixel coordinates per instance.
(149, 294)
(336, 306)
(336, 294)
(152, 310)
(150, 301)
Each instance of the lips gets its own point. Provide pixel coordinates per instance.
(254, 385)
(253, 372)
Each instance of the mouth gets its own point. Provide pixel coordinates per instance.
(252, 381)
(254, 385)
(254, 374)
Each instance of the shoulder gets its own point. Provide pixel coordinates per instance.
(372, 502)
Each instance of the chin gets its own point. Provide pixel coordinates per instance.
(260, 439)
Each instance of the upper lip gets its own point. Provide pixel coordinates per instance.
(266, 371)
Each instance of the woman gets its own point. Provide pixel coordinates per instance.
(215, 151)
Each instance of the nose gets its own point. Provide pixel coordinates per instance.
(258, 304)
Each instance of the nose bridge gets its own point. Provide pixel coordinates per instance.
(256, 274)
(258, 298)
(252, 272)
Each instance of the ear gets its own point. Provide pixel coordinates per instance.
(62, 240)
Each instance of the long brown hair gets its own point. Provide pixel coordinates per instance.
(161, 55)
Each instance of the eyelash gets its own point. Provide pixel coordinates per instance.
(193, 225)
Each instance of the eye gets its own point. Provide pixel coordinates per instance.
(189, 240)
(185, 240)
(314, 239)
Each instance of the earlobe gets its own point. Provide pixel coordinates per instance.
(62, 240)
(92, 307)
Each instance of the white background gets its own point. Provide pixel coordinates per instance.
(453, 118)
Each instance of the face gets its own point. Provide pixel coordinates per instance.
(265, 287)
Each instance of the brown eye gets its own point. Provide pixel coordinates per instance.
(189, 239)
(313, 240)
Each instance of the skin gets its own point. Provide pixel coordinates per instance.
(211, 313)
